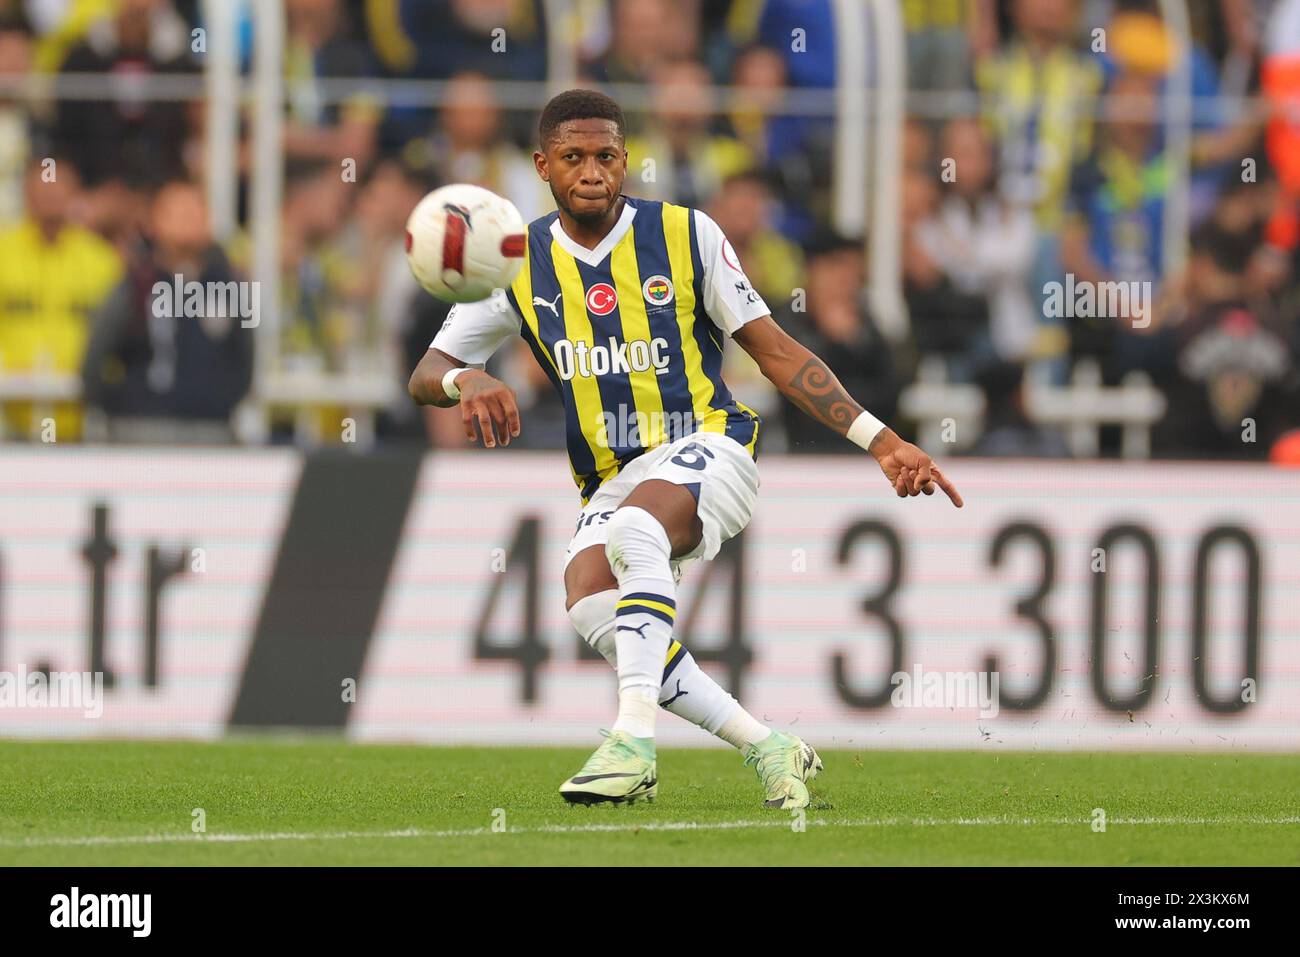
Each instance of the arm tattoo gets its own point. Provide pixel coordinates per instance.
(819, 394)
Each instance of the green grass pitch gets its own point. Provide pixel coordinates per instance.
(314, 801)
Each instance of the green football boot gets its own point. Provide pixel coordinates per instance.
(784, 764)
(621, 771)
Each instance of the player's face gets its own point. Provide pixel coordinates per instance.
(585, 164)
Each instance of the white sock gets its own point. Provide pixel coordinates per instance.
(686, 689)
(637, 710)
(741, 730)
(638, 550)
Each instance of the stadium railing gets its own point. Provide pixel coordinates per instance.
(1081, 408)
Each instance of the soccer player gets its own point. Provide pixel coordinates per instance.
(624, 303)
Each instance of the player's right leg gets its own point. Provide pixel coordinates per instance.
(722, 477)
(784, 763)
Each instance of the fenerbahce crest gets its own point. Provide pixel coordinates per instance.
(658, 290)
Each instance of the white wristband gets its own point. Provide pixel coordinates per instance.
(864, 430)
(449, 382)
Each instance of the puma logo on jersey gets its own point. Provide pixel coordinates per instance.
(587, 359)
(539, 301)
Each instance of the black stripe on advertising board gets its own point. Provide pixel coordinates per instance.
(327, 588)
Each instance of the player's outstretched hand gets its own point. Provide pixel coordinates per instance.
(910, 470)
(491, 403)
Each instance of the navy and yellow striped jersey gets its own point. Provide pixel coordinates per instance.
(630, 334)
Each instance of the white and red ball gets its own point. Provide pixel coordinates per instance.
(465, 241)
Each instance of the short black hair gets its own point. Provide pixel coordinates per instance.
(579, 105)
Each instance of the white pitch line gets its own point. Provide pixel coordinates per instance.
(127, 839)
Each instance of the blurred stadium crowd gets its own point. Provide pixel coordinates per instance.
(1034, 148)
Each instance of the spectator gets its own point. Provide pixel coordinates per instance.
(382, 291)
(376, 236)
(1241, 218)
(920, 200)
(795, 150)
(743, 208)
(804, 32)
(1039, 94)
(839, 329)
(129, 139)
(158, 374)
(643, 40)
(1141, 43)
(1234, 364)
(467, 146)
(319, 46)
(323, 309)
(679, 159)
(15, 123)
(320, 312)
(440, 38)
(945, 321)
(318, 307)
(939, 40)
(53, 273)
(1116, 229)
(985, 247)
(1234, 355)
(759, 74)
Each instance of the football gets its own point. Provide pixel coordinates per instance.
(464, 241)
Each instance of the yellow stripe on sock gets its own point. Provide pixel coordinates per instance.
(668, 610)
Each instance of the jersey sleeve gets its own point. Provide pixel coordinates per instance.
(473, 331)
(729, 298)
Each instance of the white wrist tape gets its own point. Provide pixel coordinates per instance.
(449, 382)
(864, 430)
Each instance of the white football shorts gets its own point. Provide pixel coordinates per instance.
(724, 477)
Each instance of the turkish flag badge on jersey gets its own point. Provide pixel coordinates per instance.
(601, 299)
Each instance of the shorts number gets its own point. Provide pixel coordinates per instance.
(692, 456)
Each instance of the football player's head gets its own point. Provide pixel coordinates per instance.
(582, 155)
